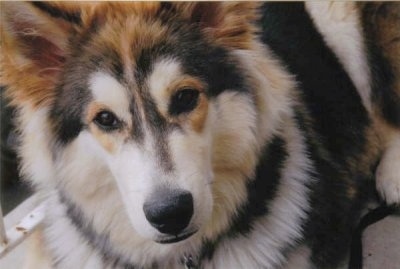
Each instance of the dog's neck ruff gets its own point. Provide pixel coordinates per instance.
(97, 241)
(101, 242)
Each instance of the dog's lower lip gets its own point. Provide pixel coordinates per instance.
(175, 239)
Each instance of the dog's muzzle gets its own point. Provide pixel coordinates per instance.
(170, 212)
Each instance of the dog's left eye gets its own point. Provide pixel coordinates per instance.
(107, 121)
(184, 100)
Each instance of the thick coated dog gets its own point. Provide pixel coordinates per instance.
(203, 135)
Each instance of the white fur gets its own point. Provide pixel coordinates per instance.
(214, 165)
(64, 242)
(103, 203)
(339, 23)
(165, 72)
(108, 91)
(190, 152)
(234, 152)
(110, 188)
(121, 181)
(117, 184)
(37, 165)
(136, 174)
(274, 88)
(262, 247)
(193, 171)
(388, 172)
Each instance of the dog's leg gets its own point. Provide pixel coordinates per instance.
(388, 172)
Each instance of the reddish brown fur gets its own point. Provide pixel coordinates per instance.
(388, 38)
(33, 81)
(384, 29)
(28, 35)
(228, 25)
(197, 117)
(107, 140)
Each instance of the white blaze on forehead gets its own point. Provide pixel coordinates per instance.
(164, 73)
(108, 91)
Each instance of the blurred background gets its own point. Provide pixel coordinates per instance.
(12, 189)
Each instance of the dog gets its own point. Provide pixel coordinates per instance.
(203, 135)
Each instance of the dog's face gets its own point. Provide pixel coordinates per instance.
(154, 135)
(145, 94)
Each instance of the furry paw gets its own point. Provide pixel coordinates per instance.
(388, 174)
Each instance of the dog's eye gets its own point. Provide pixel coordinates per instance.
(184, 100)
(107, 121)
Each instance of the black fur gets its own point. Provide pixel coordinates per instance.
(382, 72)
(99, 242)
(338, 127)
(67, 112)
(260, 191)
(262, 188)
(74, 17)
(73, 94)
(160, 128)
(331, 98)
(199, 58)
(334, 137)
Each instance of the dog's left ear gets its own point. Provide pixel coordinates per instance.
(230, 24)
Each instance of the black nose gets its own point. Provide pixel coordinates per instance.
(169, 211)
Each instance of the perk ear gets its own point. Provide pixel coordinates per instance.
(34, 46)
(230, 24)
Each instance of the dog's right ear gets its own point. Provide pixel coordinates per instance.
(34, 46)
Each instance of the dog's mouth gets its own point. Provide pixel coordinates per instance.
(175, 239)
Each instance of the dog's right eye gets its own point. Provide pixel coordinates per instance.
(107, 121)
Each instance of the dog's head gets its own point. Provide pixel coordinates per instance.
(151, 98)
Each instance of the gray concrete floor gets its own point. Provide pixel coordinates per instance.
(382, 244)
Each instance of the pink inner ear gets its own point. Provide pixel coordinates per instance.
(45, 55)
